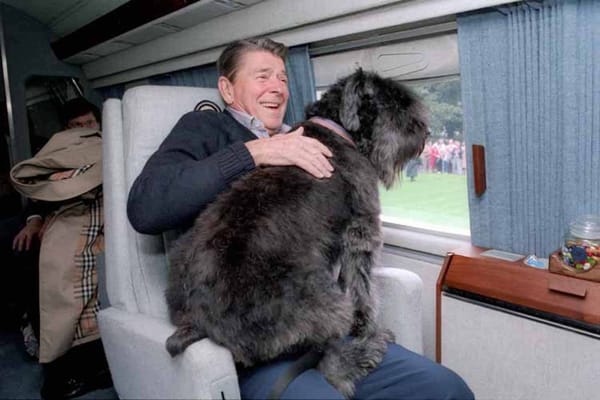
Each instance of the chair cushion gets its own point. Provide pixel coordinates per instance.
(149, 114)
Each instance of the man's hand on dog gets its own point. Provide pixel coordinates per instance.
(292, 149)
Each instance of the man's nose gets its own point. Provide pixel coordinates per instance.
(277, 85)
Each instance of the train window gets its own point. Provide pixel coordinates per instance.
(44, 96)
(432, 193)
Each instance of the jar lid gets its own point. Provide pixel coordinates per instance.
(586, 227)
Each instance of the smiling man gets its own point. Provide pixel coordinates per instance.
(206, 151)
(258, 88)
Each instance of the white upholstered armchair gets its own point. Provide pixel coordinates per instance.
(135, 326)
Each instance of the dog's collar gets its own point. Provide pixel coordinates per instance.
(337, 128)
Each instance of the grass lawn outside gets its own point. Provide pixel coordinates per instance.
(432, 201)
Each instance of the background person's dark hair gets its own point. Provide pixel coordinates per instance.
(229, 60)
(76, 108)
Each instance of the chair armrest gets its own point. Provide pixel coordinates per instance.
(400, 308)
(142, 368)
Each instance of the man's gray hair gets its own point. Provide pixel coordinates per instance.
(229, 60)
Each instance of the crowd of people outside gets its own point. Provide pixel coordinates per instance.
(440, 155)
(443, 155)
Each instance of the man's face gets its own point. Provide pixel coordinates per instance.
(84, 121)
(259, 88)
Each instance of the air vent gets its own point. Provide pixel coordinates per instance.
(234, 5)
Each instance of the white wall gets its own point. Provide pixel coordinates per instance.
(419, 58)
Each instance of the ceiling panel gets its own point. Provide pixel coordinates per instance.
(110, 47)
(243, 2)
(199, 13)
(65, 16)
(83, 58)
(148, 33)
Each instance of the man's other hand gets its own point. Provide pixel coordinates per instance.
(24, 238)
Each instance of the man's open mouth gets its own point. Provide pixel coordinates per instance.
(271, 105)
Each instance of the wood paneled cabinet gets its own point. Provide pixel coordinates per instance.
(517, 332)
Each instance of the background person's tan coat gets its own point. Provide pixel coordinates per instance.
(72, 239)
(70, 149)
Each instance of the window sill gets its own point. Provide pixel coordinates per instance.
(422, 240)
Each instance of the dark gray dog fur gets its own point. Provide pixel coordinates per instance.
(258, 271)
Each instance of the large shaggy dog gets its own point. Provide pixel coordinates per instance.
(281, 262)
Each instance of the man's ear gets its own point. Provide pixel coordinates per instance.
(226, 90)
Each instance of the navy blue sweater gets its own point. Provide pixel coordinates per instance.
(199, 159)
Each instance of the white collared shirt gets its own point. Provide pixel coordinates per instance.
(254, 124)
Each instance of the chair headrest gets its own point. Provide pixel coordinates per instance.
(207, 105)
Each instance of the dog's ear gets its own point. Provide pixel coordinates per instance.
(351, 101)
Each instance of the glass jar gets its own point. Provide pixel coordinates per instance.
(581, 247)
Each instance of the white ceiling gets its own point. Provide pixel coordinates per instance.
(66, 16)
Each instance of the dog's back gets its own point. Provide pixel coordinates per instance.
(260, 258)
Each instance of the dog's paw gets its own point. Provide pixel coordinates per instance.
(338, 365)
(174, 346)
(368, 363)
(372, 349)
(372, 355)
(345, 387)
(345, 362)
(181, 339)
(343, 382)
(388, 336)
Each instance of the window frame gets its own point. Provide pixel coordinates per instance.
(426, 241)
(397, 235)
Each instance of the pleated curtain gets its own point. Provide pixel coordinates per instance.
(530, 76)
(203, 76)
(301, 81)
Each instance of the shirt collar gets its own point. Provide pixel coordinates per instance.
(254, 124)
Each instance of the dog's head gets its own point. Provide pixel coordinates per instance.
(387, 122)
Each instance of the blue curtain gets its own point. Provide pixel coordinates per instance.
(203, 76)
(530, 77)
(301, 82)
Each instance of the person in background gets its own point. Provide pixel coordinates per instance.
(207, 151)
(412, 168)
(71, 352)
(76, 113)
